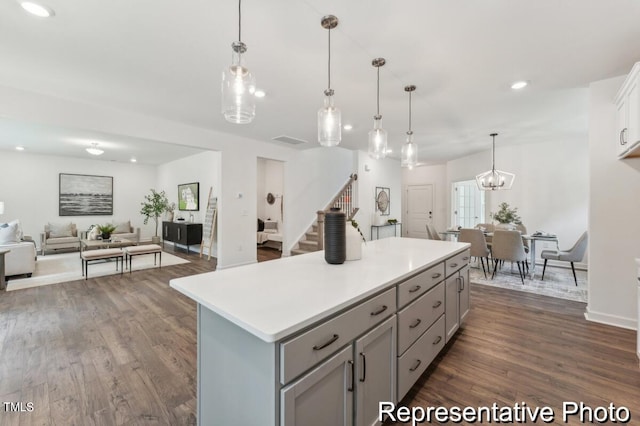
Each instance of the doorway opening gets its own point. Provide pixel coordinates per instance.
(270, 208)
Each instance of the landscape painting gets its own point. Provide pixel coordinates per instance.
(85, 195)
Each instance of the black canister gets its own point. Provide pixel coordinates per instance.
(335, 239)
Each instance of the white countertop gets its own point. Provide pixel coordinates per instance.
(274, 299)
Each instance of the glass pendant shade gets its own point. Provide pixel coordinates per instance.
(377, 140)
(238, 88)
(329, 123)
(494, 179)
(409, 153)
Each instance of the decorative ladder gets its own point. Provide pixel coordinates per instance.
(314, 240)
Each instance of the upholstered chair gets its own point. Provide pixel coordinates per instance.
(479, 248)
(508, 246)
(432, 233)
(574, 254)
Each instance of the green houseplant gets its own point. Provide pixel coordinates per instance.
(506, 214)
(153, 206)
(106, 230)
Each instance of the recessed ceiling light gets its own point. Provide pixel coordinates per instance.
(347, 127)
(94, 150)
(133, 160)
(519, 85)
(37, 9)
(19, 148)
(259, 93)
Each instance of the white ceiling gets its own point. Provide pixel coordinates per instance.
(164, 58)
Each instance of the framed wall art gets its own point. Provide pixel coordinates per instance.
(383, 200)
(189, 196)
(85, 195)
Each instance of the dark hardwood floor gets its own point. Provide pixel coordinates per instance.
(122, 351)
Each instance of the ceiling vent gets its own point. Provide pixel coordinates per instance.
(289, 140)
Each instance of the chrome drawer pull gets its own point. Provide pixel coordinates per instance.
(414, 289)
(436, 275)
(453, 265)
(364, 367)
(350, 388)
(379, 311)
(437, 304)
(415, 367)
(327, 343)
(465, 258)
(415, 324)
(438, 340)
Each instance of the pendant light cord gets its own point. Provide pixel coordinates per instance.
(329, 62)
(493, 162)
(239, 21)
(378, 93)
(409, 112)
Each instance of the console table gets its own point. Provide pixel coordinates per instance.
(3, 284)
(184, 233)
(395, 230)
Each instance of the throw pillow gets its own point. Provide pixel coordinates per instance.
(260, 225)
(122, 228)
(9, 233)
(57, 230)
(19, 233)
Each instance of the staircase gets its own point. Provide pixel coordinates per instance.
(311, 241)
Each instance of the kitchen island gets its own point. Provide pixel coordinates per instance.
(300, 341)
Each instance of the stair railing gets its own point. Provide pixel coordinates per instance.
(345, 201)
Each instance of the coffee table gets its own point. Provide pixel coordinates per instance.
(104, 244)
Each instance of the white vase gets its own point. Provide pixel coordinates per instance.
(354, 243)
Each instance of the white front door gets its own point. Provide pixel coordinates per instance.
(419, 210)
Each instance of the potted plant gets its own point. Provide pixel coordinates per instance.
(506, 215)
(170, 208)
(106, 230)
(153, 206)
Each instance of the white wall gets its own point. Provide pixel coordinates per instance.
(313, 178)
(30, 188)
(614, 207)
(385, 173)
(203, 168)
(550, 190)
(437, 176)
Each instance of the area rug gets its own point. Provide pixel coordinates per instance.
(59, 268)
(558, 282)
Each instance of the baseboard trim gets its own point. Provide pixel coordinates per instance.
(608, 319)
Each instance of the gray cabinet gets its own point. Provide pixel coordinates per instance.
(375, 358)
(457, 300)
(322, 397)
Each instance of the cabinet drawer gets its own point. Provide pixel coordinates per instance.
(303, 352)
(416, 286)
(457, 262)
(418, 357)
(417, 317)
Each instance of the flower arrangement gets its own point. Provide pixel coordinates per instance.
(506, 214)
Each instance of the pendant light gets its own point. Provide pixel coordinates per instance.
(409, 149)
(378, 136)
(494, 179)
(329, 117)
(238, 84)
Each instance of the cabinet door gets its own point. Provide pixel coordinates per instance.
(375, 358)
(633, 111)
(322, 397)
(465, 294)
(166, 231)
(621, 125)
(452, 311)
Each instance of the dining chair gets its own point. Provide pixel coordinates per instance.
(487, 227)
(479, 248)
(432, 233)
(574, 254)
(508, 246)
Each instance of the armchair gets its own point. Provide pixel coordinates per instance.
(59, 236)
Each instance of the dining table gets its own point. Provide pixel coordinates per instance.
(452, 234)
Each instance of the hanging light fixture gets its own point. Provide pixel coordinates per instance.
(494, 179)
(329, 117)
(409, 149)
(94, 150)
(378, 136)
(238, 84)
